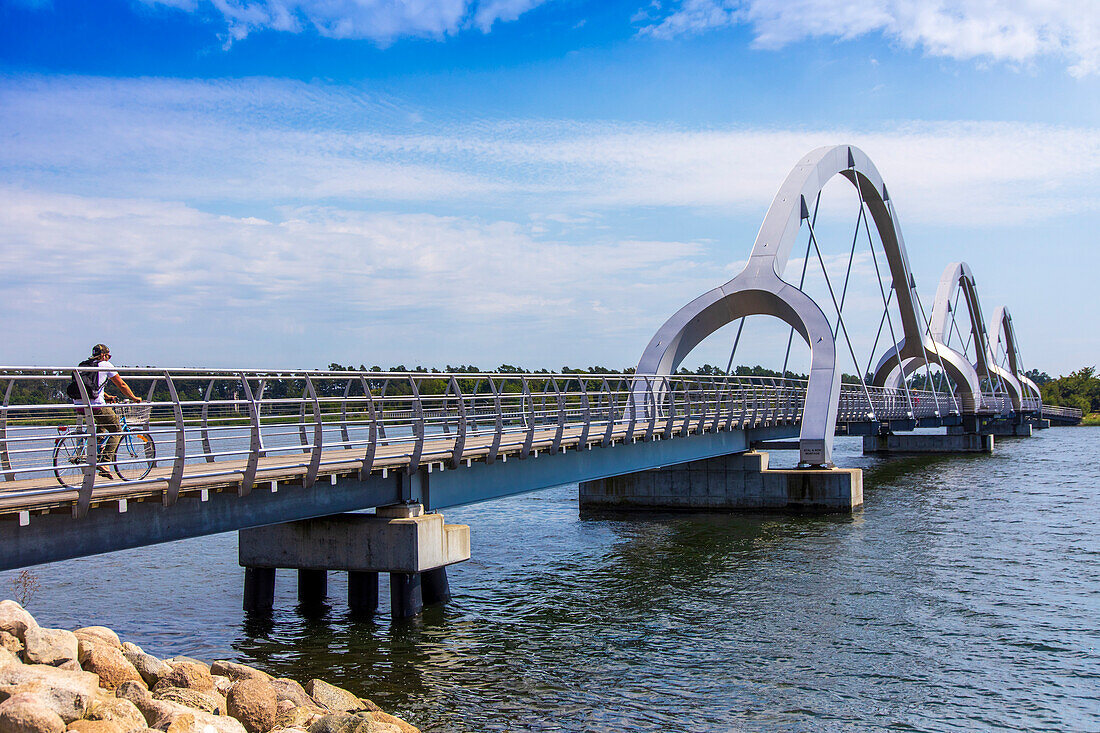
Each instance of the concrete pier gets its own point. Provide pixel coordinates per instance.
(739, 482)
(400, 540)
(1000, 428)
(949, 443)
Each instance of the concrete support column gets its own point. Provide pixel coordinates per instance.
(362, 592)
(259, 589)
(406, 598)
(434, 586)
(312, 586)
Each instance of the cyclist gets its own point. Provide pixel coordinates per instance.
(105, 417)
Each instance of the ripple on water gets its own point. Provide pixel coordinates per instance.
(965, 596)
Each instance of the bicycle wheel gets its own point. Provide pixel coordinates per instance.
(69, 459)
(134, 459)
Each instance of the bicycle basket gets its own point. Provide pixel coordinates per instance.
(135, 414)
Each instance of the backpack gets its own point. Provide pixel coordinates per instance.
(91, 381)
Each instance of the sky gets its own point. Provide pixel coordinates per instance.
(289, 183)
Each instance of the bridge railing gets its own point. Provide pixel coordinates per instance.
(220, 425)
(1068, 413)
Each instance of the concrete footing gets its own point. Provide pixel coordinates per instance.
(401, 540)
(950, 443)
(1000, 428)
(739, 482)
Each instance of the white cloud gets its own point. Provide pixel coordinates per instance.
(381, 21)
(1013, 31)
(260, 143)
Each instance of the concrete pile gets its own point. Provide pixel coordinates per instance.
(88, 681)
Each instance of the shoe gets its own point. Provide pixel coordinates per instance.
(104, 473)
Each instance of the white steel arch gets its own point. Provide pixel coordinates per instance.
(760, 290)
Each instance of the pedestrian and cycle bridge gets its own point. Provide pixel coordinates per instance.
(291, 459)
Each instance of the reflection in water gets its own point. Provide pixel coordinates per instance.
(963, 597)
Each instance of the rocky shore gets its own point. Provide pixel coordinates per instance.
(89, 681)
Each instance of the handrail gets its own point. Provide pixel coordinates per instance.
(403, 421)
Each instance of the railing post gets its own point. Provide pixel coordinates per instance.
(609, 431)
(318, 436)
(498, 432)
(372, 436)
(460, 438)
(180, 454)
(529, 404)
(84, 494)
(561, 416)
(208, 452)
(345, 436)
(583, 441)
(418, 427)
(254, 444)
(5, 457)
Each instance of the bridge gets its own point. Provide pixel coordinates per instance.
(277, 454)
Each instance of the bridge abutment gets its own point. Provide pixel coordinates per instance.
(413, 547)
(738, 482)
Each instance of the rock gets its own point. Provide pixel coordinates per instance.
(235, 671)
(95, 726)
(100, 633)
(345, 723)
(206, 701)
(298, 717)
(369, 705)
(7, 658)
(149, 667)
(72, 665)
(25, 712)
(332, 697)
(49, 646)
(253, 702)
(222, 683)
(289, 730)
(187, 673)
(380, 717)
(11, 642)
(122, 712)
(109, 663)
(175, 660)
(69, 694)
(162, 714)
(15, 620)
(287, 689)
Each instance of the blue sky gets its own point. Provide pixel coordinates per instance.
(286, 183)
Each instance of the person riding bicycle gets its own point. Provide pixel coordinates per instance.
(105, 417)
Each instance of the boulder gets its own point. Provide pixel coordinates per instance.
(149, 667)
(49, 646)
(253, 702)
(11, 642)
(7, 658)
(163, 714)
(380, 717)
(109, 663)
(235, 671)
(95, 726)
(287, 689)
(187, 673)
(72, 665)
(298, 717)
(332, 697)
(15, 620)
(345, 723)
(222, 683)
(100, 633)
(369, 705)
(206, 701)
(69, 694)
(122, 712)
(25, 712)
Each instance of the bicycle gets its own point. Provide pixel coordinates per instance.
(134, 458)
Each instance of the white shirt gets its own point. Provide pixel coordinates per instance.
(101, 384)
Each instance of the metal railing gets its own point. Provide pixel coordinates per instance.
(1068, 413)
(227, 426)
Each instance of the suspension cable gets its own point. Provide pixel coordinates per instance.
(801, 282)
(736, 340)
(840, 317)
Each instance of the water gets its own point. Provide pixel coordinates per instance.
(966, 596)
